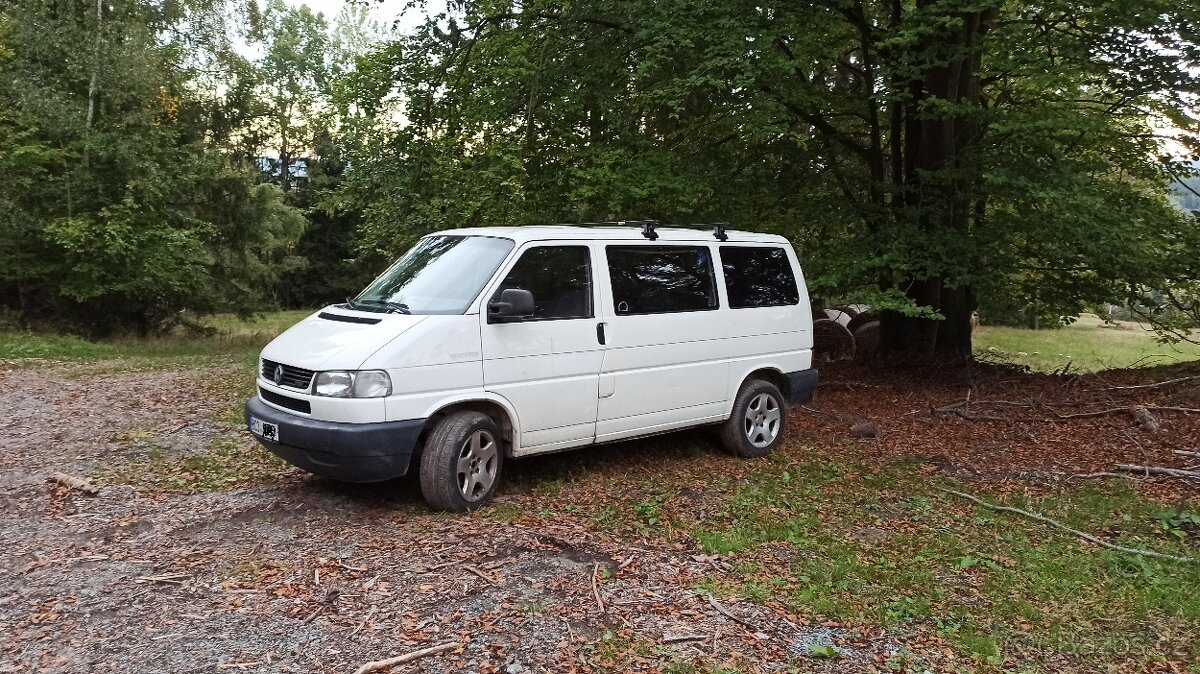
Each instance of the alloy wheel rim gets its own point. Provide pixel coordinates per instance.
(478, 462)
(761, 422)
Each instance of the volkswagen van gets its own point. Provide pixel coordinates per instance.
(480, 346)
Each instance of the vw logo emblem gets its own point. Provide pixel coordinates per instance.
(278, 374)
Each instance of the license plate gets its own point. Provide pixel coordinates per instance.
(266, 431)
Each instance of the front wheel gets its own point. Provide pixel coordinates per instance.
(461, 461)
(755, 427)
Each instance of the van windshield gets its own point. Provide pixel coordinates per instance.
(439, 275)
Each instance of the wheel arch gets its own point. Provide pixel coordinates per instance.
(770, 373)
(498, 409)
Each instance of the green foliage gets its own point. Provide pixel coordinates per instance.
(920, 155)
(823, 651)
(121, 209)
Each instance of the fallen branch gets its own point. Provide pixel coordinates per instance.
(1183, 452)
(725, 612)
(363, 623)
(176, 578)
(1098, 413)
(596, 587)
(972, 417)
(475, 570)
(1157, 384)
(72, 482)
(683, 637)
(376, 665)
(1156, 470)
(1081, 534)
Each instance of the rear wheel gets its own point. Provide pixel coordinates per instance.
(461, 461)
(755, 427)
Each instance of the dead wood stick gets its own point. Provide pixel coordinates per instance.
(376, 665)
(1084, 476)
(475, 570)
(175, 578)
(1098, 413)
(596, 587)
(1155, 470)
(73, 482)
(972, 417)
(1156, 384)
(435, 567)
(683, 637)
(1184, 452)
(364, 622)
(822, 412)
(1081, 534)
(725, 612)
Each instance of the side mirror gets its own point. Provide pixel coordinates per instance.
(514, 304)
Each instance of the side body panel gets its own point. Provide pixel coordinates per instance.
(661, 371)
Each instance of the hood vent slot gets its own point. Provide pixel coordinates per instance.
(348, 319)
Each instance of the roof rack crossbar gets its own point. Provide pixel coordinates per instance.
(648, 227)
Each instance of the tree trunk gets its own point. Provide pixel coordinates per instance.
(939, 184)
(94, 81)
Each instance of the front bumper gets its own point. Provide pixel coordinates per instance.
(340, 451)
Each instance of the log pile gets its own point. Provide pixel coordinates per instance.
(848, 332)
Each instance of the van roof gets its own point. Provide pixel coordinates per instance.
(630, 232)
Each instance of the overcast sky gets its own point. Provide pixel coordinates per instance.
(384, 12)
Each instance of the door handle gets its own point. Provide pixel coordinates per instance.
(600, 333)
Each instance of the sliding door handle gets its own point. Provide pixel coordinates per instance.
(600, 333)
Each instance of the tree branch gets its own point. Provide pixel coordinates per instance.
(1081, 534)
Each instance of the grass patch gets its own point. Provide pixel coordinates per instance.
(226, 463)
(227, 339)
(886, 548)
(1088, 345)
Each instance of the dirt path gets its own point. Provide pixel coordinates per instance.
(302, 575)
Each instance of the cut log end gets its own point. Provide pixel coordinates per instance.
(831, 340)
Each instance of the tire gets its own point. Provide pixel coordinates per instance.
(759, 417)
(461, 462)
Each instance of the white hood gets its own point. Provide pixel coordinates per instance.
(322, 344)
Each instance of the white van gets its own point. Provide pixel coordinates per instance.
(481, 345)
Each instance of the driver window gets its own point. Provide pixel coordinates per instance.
(560, 278)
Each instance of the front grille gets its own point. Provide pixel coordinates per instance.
(293, 377)
(284, 401)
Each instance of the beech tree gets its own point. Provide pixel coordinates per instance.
(921, 153)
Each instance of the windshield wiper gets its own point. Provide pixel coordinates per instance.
(391, 307)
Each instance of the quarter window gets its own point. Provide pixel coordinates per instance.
(757, 276)
(661, 279)
(560, 278)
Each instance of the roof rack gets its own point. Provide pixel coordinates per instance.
(648, 227)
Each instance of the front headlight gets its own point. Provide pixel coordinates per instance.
(356, 384)
(334, 384)
(372, 384)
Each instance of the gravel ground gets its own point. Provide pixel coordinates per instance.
(303, 575)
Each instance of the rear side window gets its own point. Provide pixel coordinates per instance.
(661, 279)
(560, 278)
(758, 277)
